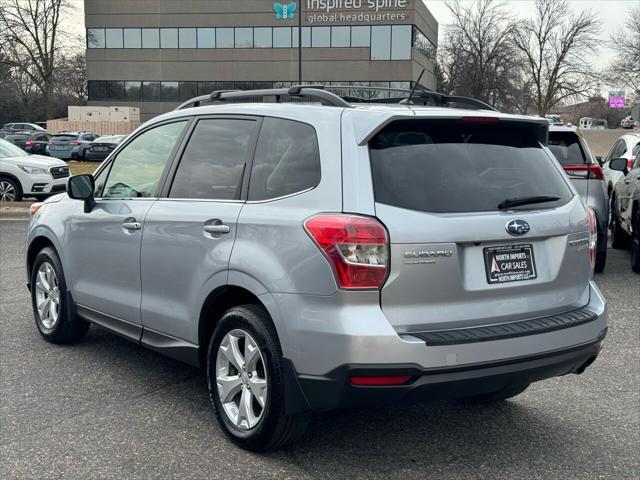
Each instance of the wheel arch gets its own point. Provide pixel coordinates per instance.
(216, 303)
(12, 177)
(35, 246)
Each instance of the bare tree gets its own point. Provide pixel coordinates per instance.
(625, 68)
(556, 45)
(70, 78)
(478, 57)
(31, 37)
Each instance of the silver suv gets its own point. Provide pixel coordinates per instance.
(313, 257)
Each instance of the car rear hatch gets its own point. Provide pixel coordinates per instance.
(62, 142)
(571, 151)
(462, 253)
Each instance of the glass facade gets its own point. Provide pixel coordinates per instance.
(386, 42)
(154, 91)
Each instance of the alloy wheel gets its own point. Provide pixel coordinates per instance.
(47, 295)
(7, 191)
(241, 379)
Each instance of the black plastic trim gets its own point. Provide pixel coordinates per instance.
(501, 331)
(128, 330)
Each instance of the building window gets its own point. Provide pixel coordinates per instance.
(244, 37)
(97, 90)
(151, 91)
(206, 38)
(95, 38)
(401, 42)
(187, 38)
(306, 37)
(224, 37)
(360, 36)
(113, 38)
(340, 36)
(320, 37)
(170, 91)
(282, 37)
(381, 43)
(188, 90)
(204, 88)
(132, 38)
(168, 38)
(424, 45)
(150, 38)
(262, 37)
(132, 91)
(114, 90)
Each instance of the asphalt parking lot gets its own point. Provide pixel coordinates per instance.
(107, 408)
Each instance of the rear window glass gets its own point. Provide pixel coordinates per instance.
(566, 147)
(63, 138)
(449, 166)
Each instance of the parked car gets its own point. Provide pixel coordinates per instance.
(555, 120)
(314, 257)
(587, 123)
(70, 145)
(102, 147)
(9, 128)
(625, 147)
(34, 142)
(627, 122)
(625, 214)
(570, 148)
(24, 175)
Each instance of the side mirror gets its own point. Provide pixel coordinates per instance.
(81, 187)
(619, 164)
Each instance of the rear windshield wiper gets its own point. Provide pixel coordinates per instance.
(517, 201)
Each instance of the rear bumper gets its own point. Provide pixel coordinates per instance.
(334, 390)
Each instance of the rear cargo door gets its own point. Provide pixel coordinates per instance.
(470, 245)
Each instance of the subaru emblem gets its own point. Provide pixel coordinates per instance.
(517, 227)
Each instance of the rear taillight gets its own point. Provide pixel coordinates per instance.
(478, 119)
(77, 143)
(630, 163)
(593, 236)
(28, 143)
(357, 248)
(585, 171)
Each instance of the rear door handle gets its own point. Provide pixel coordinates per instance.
(131, 225)
(217, 229)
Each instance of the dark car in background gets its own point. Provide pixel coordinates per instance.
(570, 148)
(625, 209)
(70, 145)
(34, 142)
(102, 147)
(9, 128)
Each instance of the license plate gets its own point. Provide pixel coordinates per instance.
(513, 263)
(60, 147)
(99, 149)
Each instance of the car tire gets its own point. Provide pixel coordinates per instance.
(619, 238)
(253, 418)
(52, 306)
(10, 190)
(635, 243)
(499, 396)
(601, 252)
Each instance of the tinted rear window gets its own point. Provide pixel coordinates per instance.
(566, 147)
(449, 166)
(63, 138)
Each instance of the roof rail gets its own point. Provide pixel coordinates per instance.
(440, 99)
(302, 91)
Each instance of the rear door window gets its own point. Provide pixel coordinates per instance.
(287, 160)
(213, 163)
(450, 166)
(566, 147)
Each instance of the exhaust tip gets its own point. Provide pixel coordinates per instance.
(584, 366)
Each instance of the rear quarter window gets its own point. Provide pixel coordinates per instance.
(449, 166)
(287, 160)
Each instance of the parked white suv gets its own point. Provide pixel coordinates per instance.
(24, 175)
